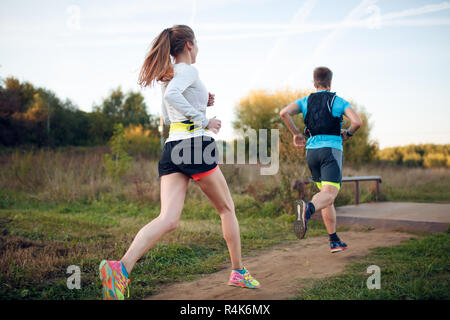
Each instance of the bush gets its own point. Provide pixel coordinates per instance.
(140, 141)
(118, 162)
(260, 109)
(434, 160)
(426, 155)
(412, 159)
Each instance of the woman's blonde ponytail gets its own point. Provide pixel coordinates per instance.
(158, 65)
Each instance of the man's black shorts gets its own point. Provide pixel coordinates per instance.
(195, 157)
(326, 166)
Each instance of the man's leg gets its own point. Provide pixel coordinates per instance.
(331, 175)
(326, 169)
(304, 210)
(329, 218)
(329, 215)
(324, 200)
(325, 197)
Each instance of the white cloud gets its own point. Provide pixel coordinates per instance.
(297, 20)
(354, 15)
(418, 11)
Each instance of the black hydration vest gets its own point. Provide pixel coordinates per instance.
(319, 118)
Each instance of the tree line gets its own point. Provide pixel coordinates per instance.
(260, 109)
(421, 155)
(31, 115)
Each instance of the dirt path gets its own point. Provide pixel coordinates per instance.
(308, 258)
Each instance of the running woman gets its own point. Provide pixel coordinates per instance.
(185, 99)
(322, 112)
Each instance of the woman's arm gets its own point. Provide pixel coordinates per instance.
(175, 98)
(165, 116)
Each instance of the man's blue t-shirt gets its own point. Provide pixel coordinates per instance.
(325, 140)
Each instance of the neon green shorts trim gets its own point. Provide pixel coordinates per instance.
(334, 184)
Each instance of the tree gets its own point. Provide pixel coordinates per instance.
(36, 116)
(128, 109)
(260, 110)
(118, 162)
(360, 149)
(142, 142)
(134, 110)
(31, 115)
(427, 155)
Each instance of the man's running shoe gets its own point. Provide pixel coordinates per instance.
(114, 279)
(243, 280)
(300, 226)
(336, 246)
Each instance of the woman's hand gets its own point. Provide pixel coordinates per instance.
(210, 100)
(299, 140)
(214, 125)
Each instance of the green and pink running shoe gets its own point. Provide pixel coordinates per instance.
(114, 278)
(243, 280)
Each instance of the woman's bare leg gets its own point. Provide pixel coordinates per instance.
(216, 188)
(173, 192)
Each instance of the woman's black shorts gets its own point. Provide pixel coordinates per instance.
(195, 157)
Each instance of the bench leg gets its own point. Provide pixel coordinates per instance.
(356, 192)
(378, 190)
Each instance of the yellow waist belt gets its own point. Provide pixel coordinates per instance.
(185, 126)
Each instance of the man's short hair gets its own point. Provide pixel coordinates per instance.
(322, 77)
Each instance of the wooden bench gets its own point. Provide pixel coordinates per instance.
(356, 180)
(300, 185)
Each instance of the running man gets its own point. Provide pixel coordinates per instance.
(189, 153)
(322, 113)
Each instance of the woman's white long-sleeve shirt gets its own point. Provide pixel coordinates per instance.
(185, 98)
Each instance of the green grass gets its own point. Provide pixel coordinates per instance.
(39, 240)
(60, 208)
(417, 269)
(399, 184)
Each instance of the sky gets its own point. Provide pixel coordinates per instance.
(390, 57)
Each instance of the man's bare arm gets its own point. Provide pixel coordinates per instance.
(286, 115)
(354, 119)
